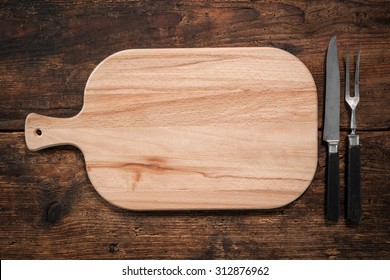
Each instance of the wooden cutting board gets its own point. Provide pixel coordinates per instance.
(210, 128)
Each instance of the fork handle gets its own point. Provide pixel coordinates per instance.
(354, 205)
(333, 184)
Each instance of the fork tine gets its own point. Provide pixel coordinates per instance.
(357, 75)
(347, 92)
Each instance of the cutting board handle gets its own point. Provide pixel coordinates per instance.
(42, 132)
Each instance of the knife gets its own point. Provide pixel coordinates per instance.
(331, 131)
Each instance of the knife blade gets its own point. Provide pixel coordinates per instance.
(332, 131)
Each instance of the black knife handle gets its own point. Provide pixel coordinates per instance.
(354, 203)
(333, 187)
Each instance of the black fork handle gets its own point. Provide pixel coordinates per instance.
(354, 204)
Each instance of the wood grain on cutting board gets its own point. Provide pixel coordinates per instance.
(211, 128)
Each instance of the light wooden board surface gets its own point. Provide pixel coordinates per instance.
(210, 128)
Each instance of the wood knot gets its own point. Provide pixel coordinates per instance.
(53, 212)
(113, 247)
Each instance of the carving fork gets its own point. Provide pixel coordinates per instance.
(354, 208)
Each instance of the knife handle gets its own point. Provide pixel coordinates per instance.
(354, 204)
(333, 184)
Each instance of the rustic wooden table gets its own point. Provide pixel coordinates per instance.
(48, 207)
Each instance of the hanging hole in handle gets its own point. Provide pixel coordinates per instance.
(38, 132)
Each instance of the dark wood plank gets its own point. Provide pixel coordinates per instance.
(49, 209)
(48, 49)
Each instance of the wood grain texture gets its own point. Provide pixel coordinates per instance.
(47, 52)
(49, 49)
(196, 128)
(90, 227)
